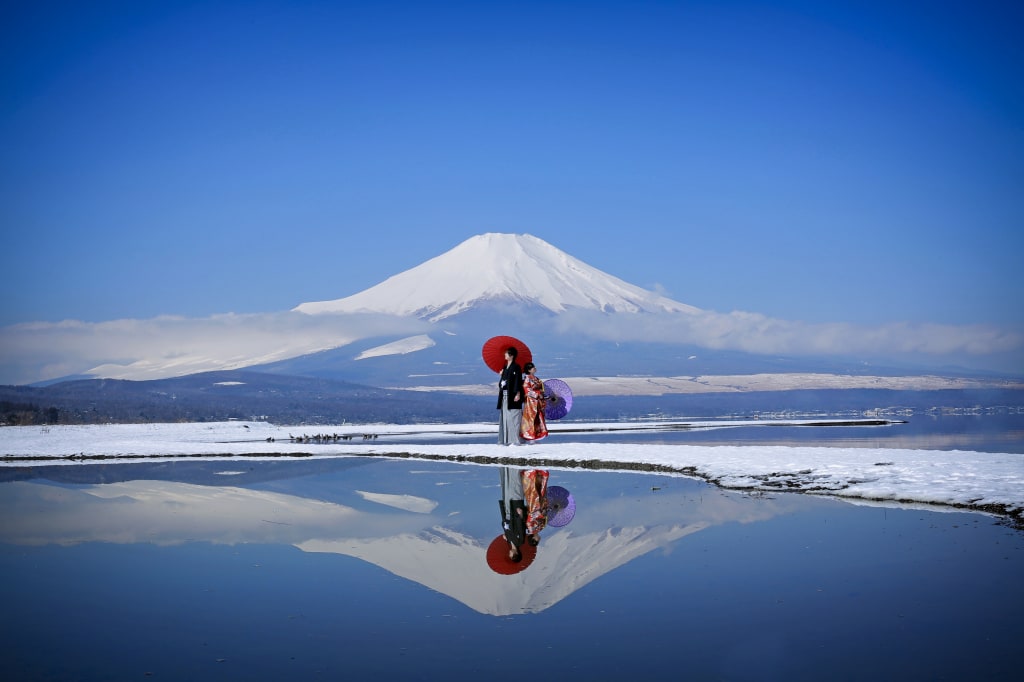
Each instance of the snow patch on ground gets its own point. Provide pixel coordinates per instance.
(976, 480)
(401, 347)
(743, 383)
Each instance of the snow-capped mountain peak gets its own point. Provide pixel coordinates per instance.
(496, 267)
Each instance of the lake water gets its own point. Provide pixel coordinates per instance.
(347, 568)
(1003, 432)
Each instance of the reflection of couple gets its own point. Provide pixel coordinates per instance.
(523, 508)
(521, 401)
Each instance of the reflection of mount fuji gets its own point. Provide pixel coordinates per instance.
(453, 564)
(400, 530)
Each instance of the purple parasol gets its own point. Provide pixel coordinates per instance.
(559, 399)
(561, 506)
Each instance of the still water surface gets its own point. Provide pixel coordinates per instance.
(346, 568)
(980, 433)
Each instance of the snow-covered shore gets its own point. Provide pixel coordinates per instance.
(983, 481)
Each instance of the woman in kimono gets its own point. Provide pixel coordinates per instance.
(533, 426)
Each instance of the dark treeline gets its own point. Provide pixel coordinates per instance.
(27, 414)
(222, 396)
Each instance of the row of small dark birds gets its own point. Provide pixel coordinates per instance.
(325, 437)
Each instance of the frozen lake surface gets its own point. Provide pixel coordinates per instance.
(343, 568)
(867, 460)
(179, 563)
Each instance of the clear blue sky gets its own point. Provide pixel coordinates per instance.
(821, 161)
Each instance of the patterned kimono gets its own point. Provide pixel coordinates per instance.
(535, 497)
(533, 426)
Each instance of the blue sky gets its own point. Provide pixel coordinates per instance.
(856, 162)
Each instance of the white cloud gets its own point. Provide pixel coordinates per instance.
(172, 346)
(756, 333)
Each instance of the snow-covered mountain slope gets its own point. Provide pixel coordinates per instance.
(494, 268)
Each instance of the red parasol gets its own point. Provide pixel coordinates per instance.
(497, 557)
(494, 352)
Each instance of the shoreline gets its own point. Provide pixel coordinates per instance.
(1013, 516)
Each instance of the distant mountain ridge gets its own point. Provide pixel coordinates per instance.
(423, 328)
(493, 268)
(290, 399)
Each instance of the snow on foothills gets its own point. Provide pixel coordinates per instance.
(977, 480)
(410, 503)
(737, 383)
(499, 267)
(400, 347)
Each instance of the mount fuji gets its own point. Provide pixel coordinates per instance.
(578, 320)
(493, 284)
(423, 329)
(500, 268)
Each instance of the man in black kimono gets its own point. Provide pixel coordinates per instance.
(510, 400)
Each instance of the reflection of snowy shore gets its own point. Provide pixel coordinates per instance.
(976, 480)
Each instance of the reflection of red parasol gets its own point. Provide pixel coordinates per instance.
(559, 399)
(494, 352)
(497, 557)
(561, 507)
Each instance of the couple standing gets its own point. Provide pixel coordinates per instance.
(521, 401)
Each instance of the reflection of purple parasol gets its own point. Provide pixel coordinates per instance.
(561, 506)
(559, 397)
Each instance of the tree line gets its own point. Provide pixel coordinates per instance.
(27, 414)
